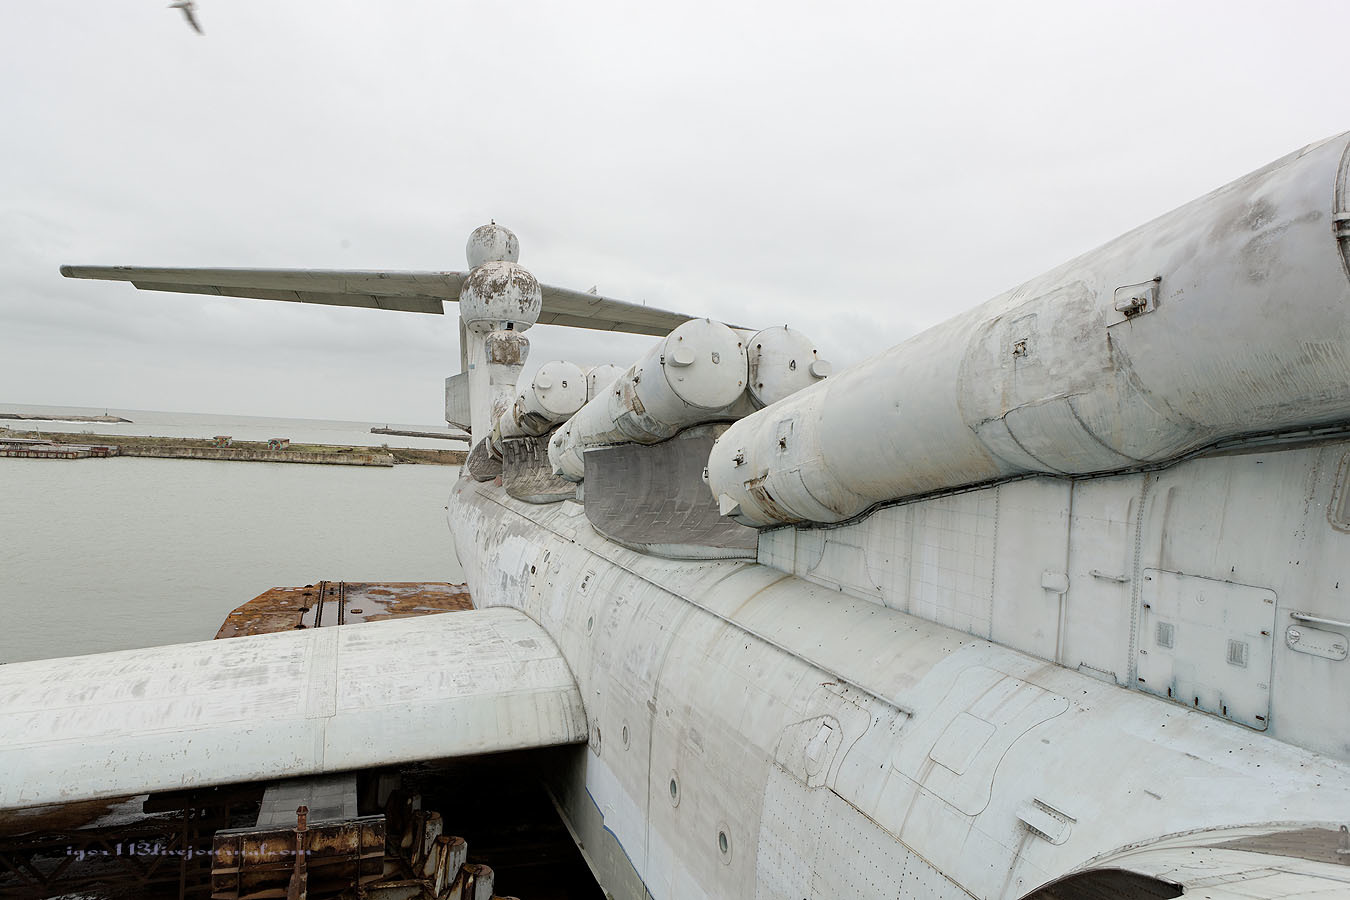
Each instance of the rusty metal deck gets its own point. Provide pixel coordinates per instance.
(261, 838)
(329, 603)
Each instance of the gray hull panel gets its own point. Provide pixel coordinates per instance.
(653, 499)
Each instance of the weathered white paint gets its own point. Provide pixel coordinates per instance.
(949, 748)
(497, 299)
(1247, 330)
(500, 295)
(420, 292)
(557, 390)
(692, 376)
(479, 384)
(491, 243)
(1251, 537)
(281, 705)
(942, 699)
(782, 361)
(506, 354)
(600, 378)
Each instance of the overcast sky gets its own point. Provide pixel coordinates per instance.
(860, 171)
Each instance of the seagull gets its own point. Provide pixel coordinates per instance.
(186, 6)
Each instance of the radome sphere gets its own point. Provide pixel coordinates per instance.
(492, 243)
(500, 296)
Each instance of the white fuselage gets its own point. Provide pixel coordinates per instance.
(965, 695)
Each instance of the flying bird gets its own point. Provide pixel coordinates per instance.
(187, 7)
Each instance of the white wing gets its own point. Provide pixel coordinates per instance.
(423, 292)
(282, 705)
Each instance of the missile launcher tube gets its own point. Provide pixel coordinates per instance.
(555, 392)
(553, 395)
(690, 377)
(600, 378)
(1227, 317)
(782, 361)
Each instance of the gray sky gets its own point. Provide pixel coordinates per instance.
(860, 171)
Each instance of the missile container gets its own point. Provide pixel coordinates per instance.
(690, 377)
(1228, 317)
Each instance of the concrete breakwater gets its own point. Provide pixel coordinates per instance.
(20, 448)
(355, 458)
(459, 436)
(248, 451)
(33, 418)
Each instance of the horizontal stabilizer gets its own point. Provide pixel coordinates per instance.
(421, 292)
(405, 291)
(282, 705)
(579, 309)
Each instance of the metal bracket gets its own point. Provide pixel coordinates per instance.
(1318, 620)
(1119, 579)
(1136, 299)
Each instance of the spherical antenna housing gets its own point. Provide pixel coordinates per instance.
(492, 243)
(500, 296)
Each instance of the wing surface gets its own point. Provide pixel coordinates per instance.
(581, 309)
(421, 292)
(295, 703)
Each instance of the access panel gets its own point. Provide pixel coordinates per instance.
(1207, 644)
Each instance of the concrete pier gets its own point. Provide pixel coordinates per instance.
(30, 448)
(62, 445)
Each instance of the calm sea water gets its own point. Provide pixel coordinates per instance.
(107, 554)
(244, 428)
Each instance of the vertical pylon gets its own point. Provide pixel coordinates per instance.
(498, 296)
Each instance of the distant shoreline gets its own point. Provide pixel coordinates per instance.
(36, 418)
(255, 451)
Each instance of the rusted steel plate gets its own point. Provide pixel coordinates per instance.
(342, 603)
(69, 816)
(337, 855)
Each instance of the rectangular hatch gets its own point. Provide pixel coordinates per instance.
(1207, 644)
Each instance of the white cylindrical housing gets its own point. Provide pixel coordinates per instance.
(782, 361)
(600, 378)
(1227, 317)
(557, 391)
(690, 377)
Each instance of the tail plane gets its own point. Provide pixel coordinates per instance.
(419, 292)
